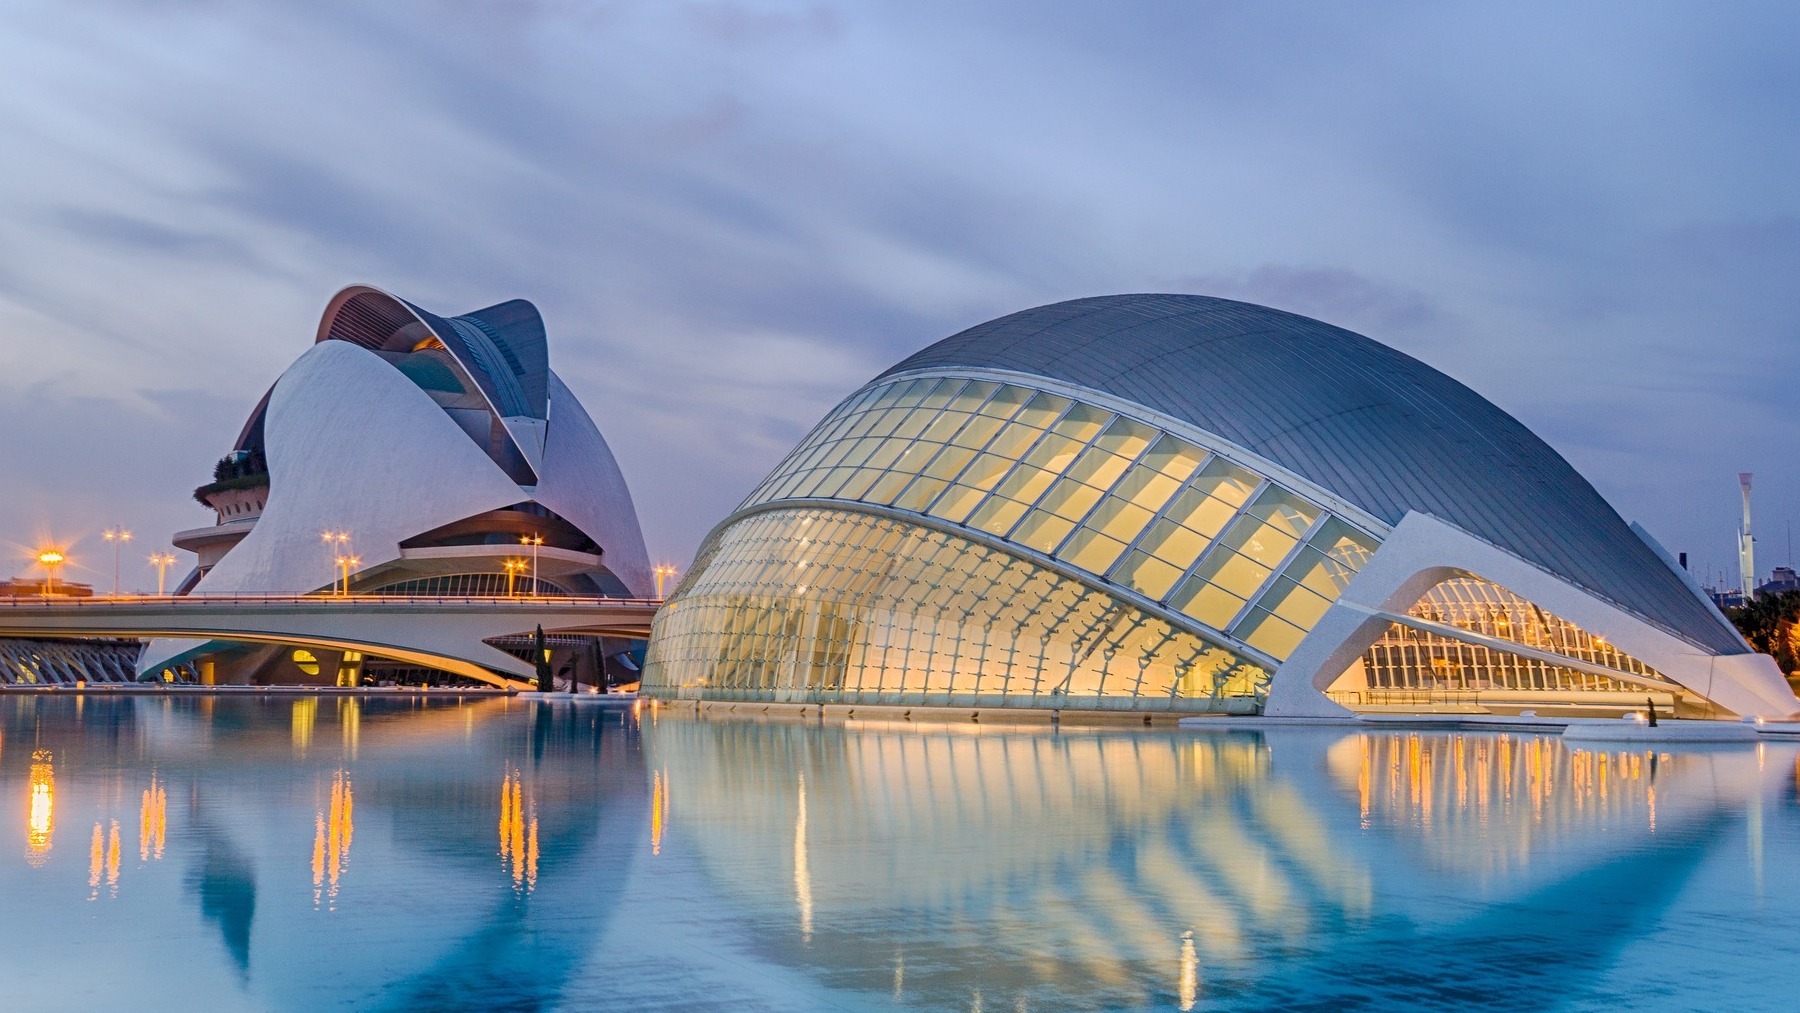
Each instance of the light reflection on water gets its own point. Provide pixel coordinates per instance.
(336, 852)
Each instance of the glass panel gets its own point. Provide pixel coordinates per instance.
(884, 490)
(1237, 574)
(1013, 441)
(1199, 513)
(942, 393)
(1091, 551)
(1025, 484)
(1208, 604)
(1294, 603)
(1099, 468)
(1226, 481)
(997, 516)
(957, 502)
(1120, 519)
(1269, 634)
(913, 392)
(1082, 422)
(986, 470)
(921, 492)
(943, 427)
(977, 432)
(1174, 457)
(972, 396)
(1043, 409)
(1007, 400)
(1146, 575)
(1053, 452)
(913, 424)
(1070, 500)
(949, 462)
(1126, 437)
(1043, 531)
(1146, 487)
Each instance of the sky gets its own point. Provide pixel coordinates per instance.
(731, 215)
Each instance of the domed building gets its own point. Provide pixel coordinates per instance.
(411, 454)
(1178, 504)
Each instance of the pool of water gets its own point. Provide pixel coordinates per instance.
(321, 853)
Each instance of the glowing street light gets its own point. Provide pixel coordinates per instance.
(513, 567)
(51, 559)
(162, 561)
(346, 563)
(533, 540)
(337, 543)
(118, 536)
(662, 571)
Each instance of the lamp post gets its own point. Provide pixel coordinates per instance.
(162, 561)
(118, 536)
(346, 563)
(664, 570)
(336, 542)
(513, 566)
(51, 559)
(533, 540)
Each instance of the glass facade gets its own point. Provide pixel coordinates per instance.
(1406, 658)
(468, 585)
(1135, 506)
(835, 606)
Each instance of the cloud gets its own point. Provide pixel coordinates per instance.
(732, 215)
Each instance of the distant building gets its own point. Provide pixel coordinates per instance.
(411, 454)
(1177, 504)
(1782, 578)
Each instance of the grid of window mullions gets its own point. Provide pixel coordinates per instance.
(832, 446)
(976, 620)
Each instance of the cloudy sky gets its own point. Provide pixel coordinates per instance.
(732, 214)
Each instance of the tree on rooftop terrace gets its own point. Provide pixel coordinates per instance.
(1771, 622)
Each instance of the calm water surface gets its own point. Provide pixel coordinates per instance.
(336, 853)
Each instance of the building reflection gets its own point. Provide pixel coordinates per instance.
(334, 826)
(518, 832)
(153, 821)
(1128, 870)
(40, 819)
(103, 855)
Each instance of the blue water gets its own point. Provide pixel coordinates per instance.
(343, 853)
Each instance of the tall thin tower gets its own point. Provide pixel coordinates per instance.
(1746, 543)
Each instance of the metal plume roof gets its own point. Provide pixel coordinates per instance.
(1378, 427)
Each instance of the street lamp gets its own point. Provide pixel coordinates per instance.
(336, 543)
(51, 559)
(346, 563)
(162, 561)
(665, 570)
(513, 566)
(118, 536)
(533, 540)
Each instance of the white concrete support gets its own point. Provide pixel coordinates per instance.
(1423, 551)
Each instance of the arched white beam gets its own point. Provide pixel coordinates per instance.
(1423, 551)
(448, 635)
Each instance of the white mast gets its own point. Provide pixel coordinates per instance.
(1746, 543)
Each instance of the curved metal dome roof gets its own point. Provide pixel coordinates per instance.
(1378, 427)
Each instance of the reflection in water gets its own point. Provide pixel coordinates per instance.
(659, 805)
(1458, 790)
(40, 819)
(332, 830)
(868, 866)
(802, 878)
(104, 857)
(306, 714)
(153, 821)
(1112, 870)
(518, 832)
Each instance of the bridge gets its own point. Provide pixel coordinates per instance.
(450, 634)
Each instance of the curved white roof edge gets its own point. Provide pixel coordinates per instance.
(1424, 551)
